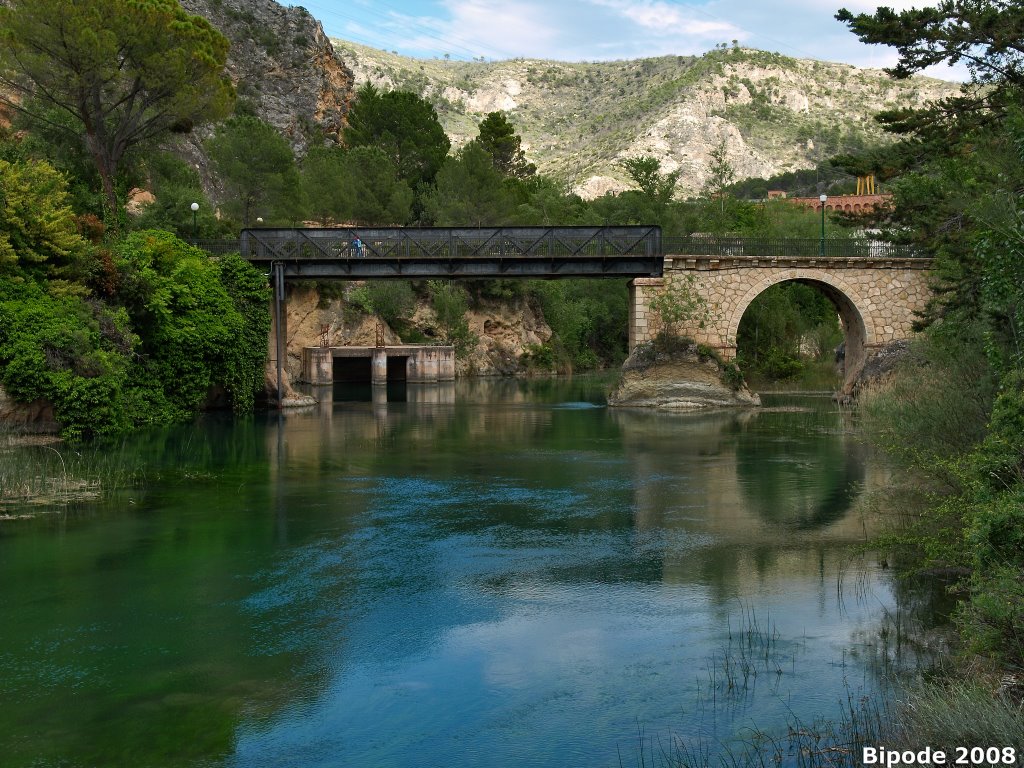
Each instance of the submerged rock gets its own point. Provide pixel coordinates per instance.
(680, 380)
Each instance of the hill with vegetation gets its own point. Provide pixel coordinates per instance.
(770, 113)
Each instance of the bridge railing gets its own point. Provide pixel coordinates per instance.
(450, 242)
(218, 247)
(544, 242)
(780, 247)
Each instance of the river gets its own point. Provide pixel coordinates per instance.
(501, 573)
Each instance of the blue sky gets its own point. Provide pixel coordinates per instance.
(590, 30)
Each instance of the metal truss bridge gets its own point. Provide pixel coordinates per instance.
(457, 252)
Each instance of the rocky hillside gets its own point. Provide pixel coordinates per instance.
(284, 70)
(773, 113)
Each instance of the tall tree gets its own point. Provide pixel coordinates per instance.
(125, 72)
(986, 35)
(469, 192)
(38, 236)
(646, 174)
(373, 191)
(257, 168)
(404, 126)
(499, 139)
(323, 183)
(721, 173)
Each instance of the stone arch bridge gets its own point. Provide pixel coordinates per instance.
(877, 292)
(877, 288)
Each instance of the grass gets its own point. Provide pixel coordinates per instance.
(814, 376)
(40, 471)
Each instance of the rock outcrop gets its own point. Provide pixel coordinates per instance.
(504, 333)
(878, 367)
(284, 69)
(682, 380)
(35, 417)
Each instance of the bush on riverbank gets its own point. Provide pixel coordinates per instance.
(138, 331)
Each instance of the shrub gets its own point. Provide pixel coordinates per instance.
(74, 353)
(993, 620)
(451, 303)
(195, 336)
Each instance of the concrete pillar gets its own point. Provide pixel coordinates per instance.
(422, 365)
(631, 322)
(446, 364)
(317, 365)
(430, 364)
(414, 366)
(379, 368)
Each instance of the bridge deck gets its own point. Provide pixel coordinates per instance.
(532, 252)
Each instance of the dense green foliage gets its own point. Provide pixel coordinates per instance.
(140, 333)
(590, 319)
(195, 334)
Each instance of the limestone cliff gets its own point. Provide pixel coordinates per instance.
(681, 380)
(284, 69)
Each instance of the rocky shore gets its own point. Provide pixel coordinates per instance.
(683, 379)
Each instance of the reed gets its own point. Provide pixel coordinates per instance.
(39, 472)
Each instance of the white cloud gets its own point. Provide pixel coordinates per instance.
(665, 19)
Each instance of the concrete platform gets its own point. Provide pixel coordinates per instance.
(423, 363)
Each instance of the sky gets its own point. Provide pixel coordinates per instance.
(592, 30)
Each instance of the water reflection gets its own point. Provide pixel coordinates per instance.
(493, 572)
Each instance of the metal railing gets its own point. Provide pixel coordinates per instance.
(549, 241)
(218, 247)
(776, 248)
(450, 242)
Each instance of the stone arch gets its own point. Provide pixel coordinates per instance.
(859, 331)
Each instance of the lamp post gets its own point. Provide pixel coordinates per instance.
(821, 245)
(195, 229)
(259, 221)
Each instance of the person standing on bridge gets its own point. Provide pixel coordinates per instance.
(357, 245)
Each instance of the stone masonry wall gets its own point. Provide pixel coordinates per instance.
(876, 299)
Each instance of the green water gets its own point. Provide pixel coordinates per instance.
(503, 573)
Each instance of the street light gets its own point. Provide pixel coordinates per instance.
(821, 246)
(195, 208)
(259, 221)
